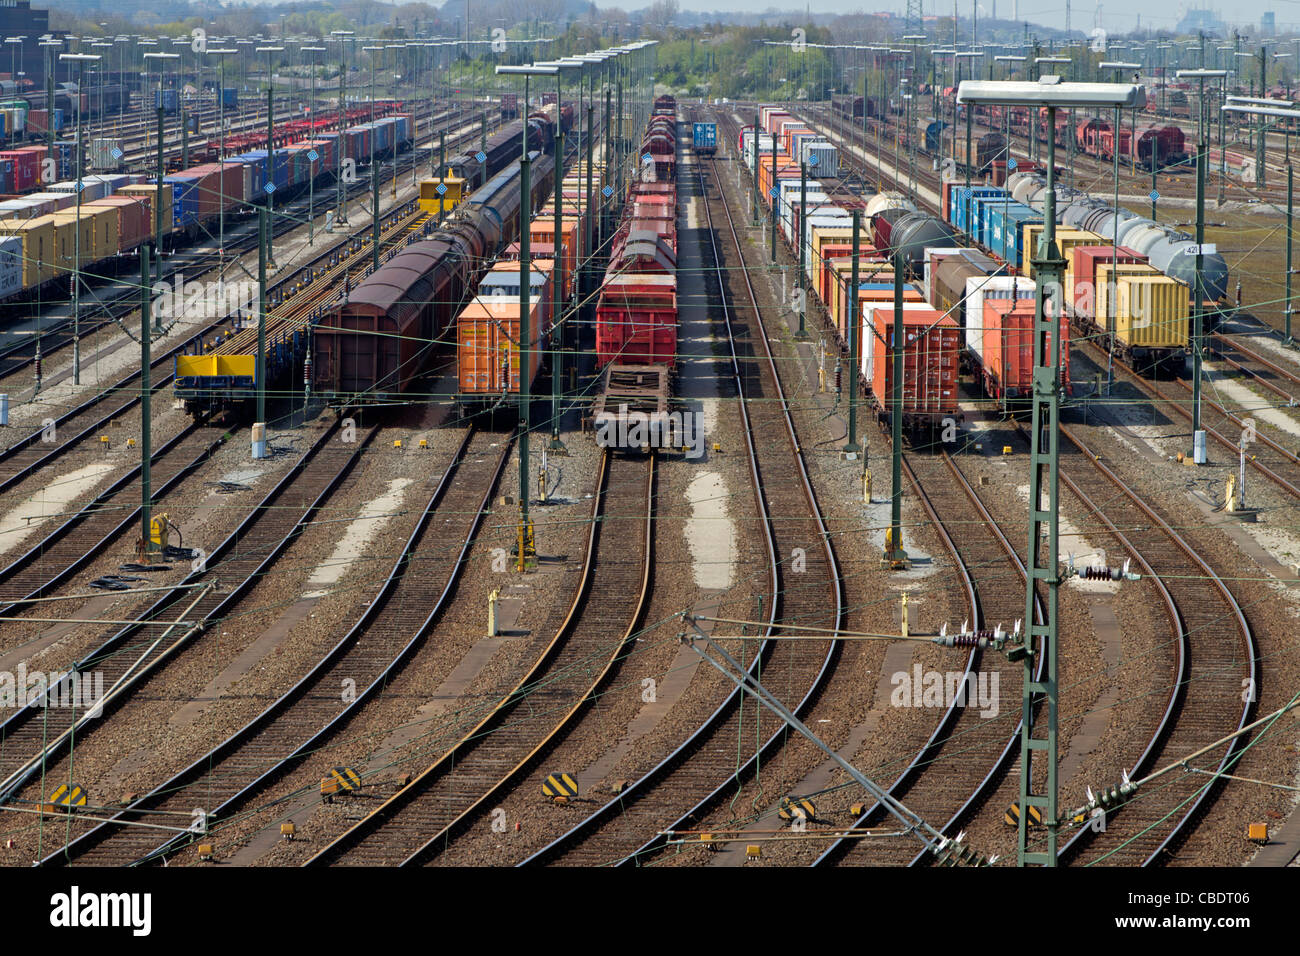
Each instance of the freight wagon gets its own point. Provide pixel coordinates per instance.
(372, 347)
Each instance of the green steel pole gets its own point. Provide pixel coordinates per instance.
(803, 224)
(1049, 268)
(263, 257)
(524, 349)
(587, 262)
(1198, 298)
(773, 197)
(157, 212)
(605, 205)
(1290, 215)
(442, 174)
(1259, 142)
(270, 166)
(1153, 176)
(852, 448)
(557, 286)
(341, 189)
(866, 98)
(146, 391)
(755, 212)
(185, 139)
(621, 144)
(374, 178)
(895, 556)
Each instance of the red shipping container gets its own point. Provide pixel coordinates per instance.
(1080, 292)
(931, 360)
(945, 200)
(220, 185)
(328, 161)
(27, 167)
(1008, 360)
(636, 320)
(134, 225)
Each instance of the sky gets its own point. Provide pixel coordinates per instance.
(1115, 16)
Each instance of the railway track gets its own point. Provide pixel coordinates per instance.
(1217, 656)
(966, 757)
(499, 744)
(627, 829)
(129, 655)
(1269, 458)
(395, 623)
(86, 534)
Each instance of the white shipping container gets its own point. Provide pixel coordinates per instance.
(26, 208)
(100, 153)
(833, 217)
(980, 288)
(91, 189)
(11, 265)
(868, 334)
(828, 157)
(55, 201)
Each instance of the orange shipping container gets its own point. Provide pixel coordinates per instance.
(487, 342)
(931, 361)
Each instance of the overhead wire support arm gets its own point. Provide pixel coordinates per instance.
(946, 849)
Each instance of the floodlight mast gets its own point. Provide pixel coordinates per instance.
(81, 59)
(1049, 269)
(524, 535)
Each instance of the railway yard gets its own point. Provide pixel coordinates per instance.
(573, 472)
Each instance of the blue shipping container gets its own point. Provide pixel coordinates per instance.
(980, 206)
(1005, 236)
(962, 211)
(169, 100)
(185, 199)
(704, 137)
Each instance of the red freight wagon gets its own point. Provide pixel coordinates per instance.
(374, 342)
(655, 189)
(931, 361)
(1007, 365)
(664, 229)
(636, 320)
(643, 251)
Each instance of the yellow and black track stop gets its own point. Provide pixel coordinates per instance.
(559, 785)
(340, 780)
(796, 808)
